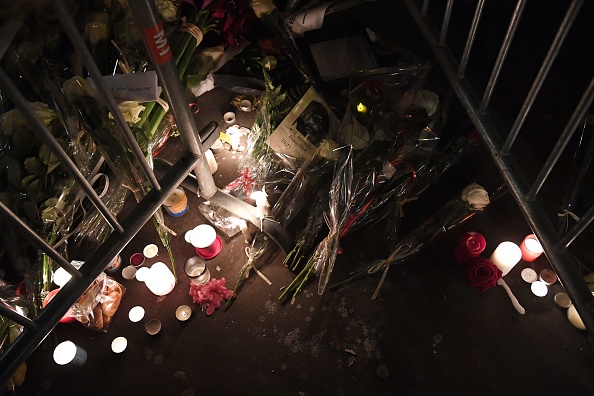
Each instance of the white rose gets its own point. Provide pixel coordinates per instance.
(262, 7)
(427, 100)
(476, 197)
(167, 10)
(327, 149)
(130, 110)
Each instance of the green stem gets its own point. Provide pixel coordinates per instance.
(301, 274)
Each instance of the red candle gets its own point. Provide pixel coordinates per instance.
(470, 246)
(530, 248)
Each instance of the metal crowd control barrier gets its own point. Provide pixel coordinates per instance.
(36, 329)
(555, 246)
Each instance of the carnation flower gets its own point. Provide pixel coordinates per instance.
(482, 273)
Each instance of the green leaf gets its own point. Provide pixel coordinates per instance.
(27, 180)
(48, 158)
(34, 166)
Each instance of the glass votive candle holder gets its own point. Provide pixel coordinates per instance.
(195, 268)
(531, 248)
(205, 240)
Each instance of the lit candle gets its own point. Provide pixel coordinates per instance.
(119, 344)
(506, 256)
(61, 277)
(212, 162)
(68, 352)
(160, 279)
(205, 240)
(142, 274)
(183, 313)
(470, 246)
(150, 251)
(176, 203)
(531, 248)
(539, 288)
(136, 314)
(574, 318)
(361, 108)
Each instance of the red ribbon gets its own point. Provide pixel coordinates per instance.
(245, 181)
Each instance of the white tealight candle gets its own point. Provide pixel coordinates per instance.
(212, 162)
(150, 251)
(68, 352)
(61, 277)
(202, 236)
(136, 314)
(574, 318)
(142, 274)
(539, 288)
(119, 344)
(183, 313)
(506, 256)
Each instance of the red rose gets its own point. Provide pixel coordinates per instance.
(482, 273)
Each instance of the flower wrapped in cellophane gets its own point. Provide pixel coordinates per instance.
(473, 199)
(393, 126)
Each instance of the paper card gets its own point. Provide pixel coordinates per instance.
(7, 34)
(141, 87)
(307, 20)
(310, 121)
(340, 57)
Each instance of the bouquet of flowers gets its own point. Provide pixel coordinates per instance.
(392, 130)
(473, 199)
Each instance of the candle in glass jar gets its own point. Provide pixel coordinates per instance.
(506, 256)
(470, 246)
(531, 248)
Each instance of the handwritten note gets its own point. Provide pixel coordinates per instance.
(137, 86)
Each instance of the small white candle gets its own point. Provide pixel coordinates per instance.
(119, 344)
(142, 274)
(539, 288)
(529, 275)
(202, 236)
(136, 314)
(61, 277)
(574, 318)
(150, 251)
(183, 313)
(506, 256)
(212, 162)
(160, 279)
(67, 352)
